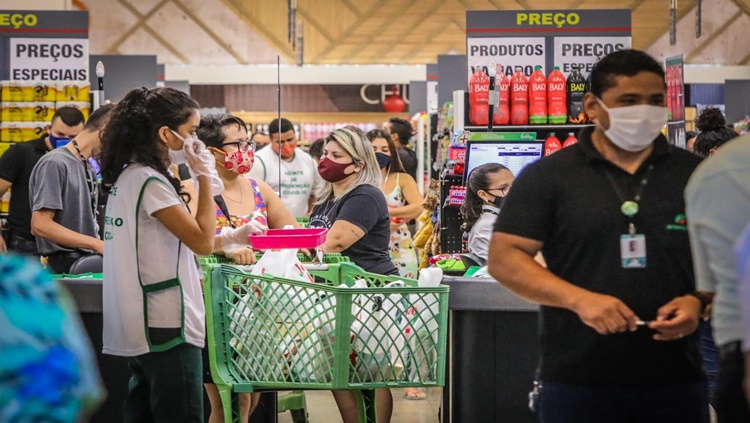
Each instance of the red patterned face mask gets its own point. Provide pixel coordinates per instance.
(239, 162)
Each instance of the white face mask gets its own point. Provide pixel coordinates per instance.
(178, 157)
(634, 128)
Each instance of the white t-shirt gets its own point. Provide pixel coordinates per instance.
(300, 178)
(157, 260)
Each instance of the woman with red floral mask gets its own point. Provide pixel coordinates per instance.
(244, 201)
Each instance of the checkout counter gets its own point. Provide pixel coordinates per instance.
(87, 294)
(492, 354)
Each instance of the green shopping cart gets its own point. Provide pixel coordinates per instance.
(349, 330)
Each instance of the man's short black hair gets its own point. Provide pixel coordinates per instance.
(621, 63)
(402, 128)
(286, 126)
(70, 116)
(211, 129)
(99, 118)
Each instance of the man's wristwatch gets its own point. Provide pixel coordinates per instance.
(705, 302)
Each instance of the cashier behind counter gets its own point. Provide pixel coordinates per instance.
(486, 189)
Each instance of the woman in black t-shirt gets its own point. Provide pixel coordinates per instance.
(353, 209)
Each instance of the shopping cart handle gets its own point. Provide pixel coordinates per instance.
(308, 266)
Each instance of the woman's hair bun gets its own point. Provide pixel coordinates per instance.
(710, 119)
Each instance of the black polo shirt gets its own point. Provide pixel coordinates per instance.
(568, 203)
(15, 167)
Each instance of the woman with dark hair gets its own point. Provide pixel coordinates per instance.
(713, 132)
(485, 192)
(153, 303)
(244, 201)
(404, 202)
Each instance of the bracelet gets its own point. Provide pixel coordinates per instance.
(703, 298)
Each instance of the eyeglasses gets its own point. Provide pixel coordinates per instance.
(503, 190)
(246, 145)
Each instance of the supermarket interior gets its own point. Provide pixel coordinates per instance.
(457, 98)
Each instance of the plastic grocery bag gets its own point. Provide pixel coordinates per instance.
(423, 328)
(284, 300)
(375, 327)
(313, 361)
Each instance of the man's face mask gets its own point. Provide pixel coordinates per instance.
(634, 128)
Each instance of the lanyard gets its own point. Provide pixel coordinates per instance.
(629, 208)
(91, 182)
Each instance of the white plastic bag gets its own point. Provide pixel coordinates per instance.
(376, 326)
(283, 301)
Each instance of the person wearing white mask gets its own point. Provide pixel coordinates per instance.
(619, 308)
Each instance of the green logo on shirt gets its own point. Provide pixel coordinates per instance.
(680, 223)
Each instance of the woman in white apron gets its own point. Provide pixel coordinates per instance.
(153, 304)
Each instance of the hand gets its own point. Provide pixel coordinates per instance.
(605, 314)
(198, 158)
(305, 251)
(242, 256)
(234, 238)
(3, 247)
(395, 226)
(677, 318)
(98, 247)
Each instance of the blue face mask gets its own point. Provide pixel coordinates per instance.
(58, 141)
(384, 160)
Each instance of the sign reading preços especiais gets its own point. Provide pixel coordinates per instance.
(521, 40)
(45, 45)
(49, 59)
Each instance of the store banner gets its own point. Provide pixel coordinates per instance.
(53, 59)
(44, 45)
(511, 54)
(523, 39)
(584, 52)
(675, 67)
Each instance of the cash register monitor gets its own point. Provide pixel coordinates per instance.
(515, 155)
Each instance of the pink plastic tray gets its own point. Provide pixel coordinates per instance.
(276, 239)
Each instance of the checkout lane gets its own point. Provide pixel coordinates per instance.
(492, 353)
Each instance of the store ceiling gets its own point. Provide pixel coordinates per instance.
(230, 32)
(416, 31)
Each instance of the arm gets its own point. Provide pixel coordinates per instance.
(44, 226)
(414, 200)
(517, 270)
(278, 215)
(341, 236)
(197, 233)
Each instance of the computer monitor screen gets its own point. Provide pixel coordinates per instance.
(515, 155)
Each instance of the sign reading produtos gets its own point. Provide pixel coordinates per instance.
(521, 40)
(44, 45)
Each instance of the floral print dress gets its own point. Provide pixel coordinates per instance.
(260, 214)
(400, 248)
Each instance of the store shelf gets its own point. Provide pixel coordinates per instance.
(528, 128)
(298, 118)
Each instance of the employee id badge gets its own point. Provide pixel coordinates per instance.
(633, 251)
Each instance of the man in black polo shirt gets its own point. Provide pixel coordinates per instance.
(619, 310)
(15, 169)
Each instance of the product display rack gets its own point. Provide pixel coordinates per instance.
(451, 231)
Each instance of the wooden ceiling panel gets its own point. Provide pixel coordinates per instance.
(546, 4)
(377, 31)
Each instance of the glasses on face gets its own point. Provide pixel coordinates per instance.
(245, 145)
(503, 190)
